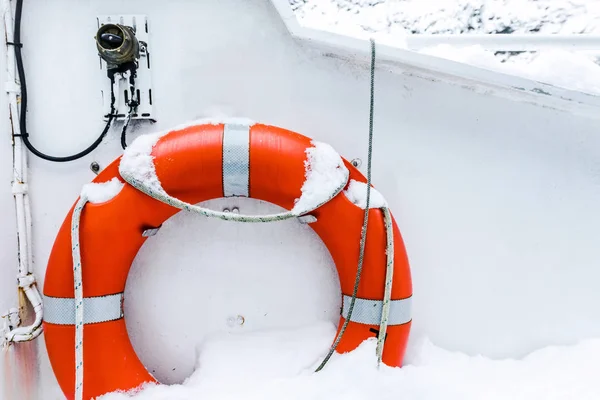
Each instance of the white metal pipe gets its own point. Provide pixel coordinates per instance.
(21, 159)
(507, 42)
(17, 144)
(29, 233)
(26, 278)
(22, 237)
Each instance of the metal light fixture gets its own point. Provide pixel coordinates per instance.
(117, 44)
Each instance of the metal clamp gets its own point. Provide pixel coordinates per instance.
(150, 231)
(12, 87)
(20, 188)
(26, 280)
(307, 219)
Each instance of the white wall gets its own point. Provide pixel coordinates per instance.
(496, 199)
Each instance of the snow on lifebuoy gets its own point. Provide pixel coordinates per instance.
(103, 191)
(357, 194)
(324, 172)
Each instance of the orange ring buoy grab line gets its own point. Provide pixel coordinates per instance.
(192, 164)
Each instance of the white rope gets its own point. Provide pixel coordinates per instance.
(385, 311)
(164, 197)
(389, 277)
(78, 286)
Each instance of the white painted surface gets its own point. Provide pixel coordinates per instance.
(513, 42)
(497, 199)
(272, 275)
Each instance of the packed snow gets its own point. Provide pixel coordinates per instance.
(357, 194)
(279, 364)
(325, 175)
(103, 191)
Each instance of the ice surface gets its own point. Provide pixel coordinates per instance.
(325, 172)
(103, 191)
(357, 194)
(279, 365)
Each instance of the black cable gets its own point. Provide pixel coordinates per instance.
(124, 130)
(132, 104)
(363, 232)
(23, 115)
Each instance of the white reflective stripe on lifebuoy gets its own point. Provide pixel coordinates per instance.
(369, 311)
(61, 310)
(236, 160)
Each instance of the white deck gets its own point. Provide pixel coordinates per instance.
(494, 180)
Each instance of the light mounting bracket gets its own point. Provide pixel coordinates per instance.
(123, 39)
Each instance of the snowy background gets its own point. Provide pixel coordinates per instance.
(397, 18)
(451, 16)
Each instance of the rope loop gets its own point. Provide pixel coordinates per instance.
(164, 197)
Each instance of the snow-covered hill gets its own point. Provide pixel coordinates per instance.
(452, 16)
(394, 19)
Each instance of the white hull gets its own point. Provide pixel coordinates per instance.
(495, 189)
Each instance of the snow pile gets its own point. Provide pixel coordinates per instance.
(137, 161)
(279, 365)
(569, 70)
(357, 194)
(325, 175)
(101, 192)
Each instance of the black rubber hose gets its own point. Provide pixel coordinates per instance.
(124, 130)
(23, 116)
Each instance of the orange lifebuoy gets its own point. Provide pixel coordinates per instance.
(189, 163)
